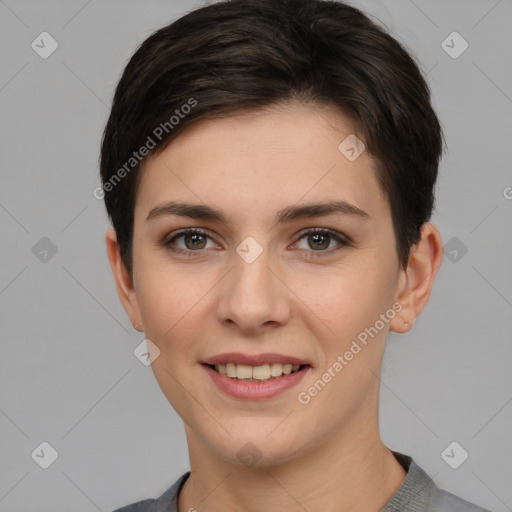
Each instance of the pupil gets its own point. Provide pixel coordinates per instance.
(316, 238)
(196, 238)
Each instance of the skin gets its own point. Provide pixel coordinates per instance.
(303, 296)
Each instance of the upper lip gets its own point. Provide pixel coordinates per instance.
(253, 360)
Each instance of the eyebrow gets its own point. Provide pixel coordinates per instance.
(291, 213)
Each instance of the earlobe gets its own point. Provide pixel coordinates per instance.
(123, 280)
(417, 280)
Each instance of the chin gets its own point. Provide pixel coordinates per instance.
(257, 450)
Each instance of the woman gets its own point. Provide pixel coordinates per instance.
(269, 170)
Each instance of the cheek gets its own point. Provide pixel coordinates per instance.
(169, 308)
(347, 300)
(163, 301)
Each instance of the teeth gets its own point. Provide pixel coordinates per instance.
(243, 371)
(276, 369)
(262, 372)
(230, 370)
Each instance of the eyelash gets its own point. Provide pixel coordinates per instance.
(343, 242)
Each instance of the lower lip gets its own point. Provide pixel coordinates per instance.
(253, 390)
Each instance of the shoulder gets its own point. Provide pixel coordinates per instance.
(446, 501)
(419, 493)
(140, 506)
(167, 502)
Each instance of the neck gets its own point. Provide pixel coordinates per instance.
(352, 470)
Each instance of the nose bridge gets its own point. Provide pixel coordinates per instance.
(253, 295)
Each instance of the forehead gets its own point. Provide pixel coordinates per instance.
(263, 160)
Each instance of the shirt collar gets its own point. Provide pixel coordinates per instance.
(416, 490)
(413, 495)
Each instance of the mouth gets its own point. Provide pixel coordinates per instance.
(255, 377)
(260, 373)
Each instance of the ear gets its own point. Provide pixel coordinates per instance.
(123, 280)
(417, 279)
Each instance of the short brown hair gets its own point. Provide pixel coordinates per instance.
(239, 55)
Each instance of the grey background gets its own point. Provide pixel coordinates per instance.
(68, 375)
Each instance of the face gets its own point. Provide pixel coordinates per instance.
(270, 276)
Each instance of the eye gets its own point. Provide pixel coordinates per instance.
(320, 239)
(193, 239)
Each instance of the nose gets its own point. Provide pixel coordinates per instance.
(253, 296)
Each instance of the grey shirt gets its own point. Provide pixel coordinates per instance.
(418, 493)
